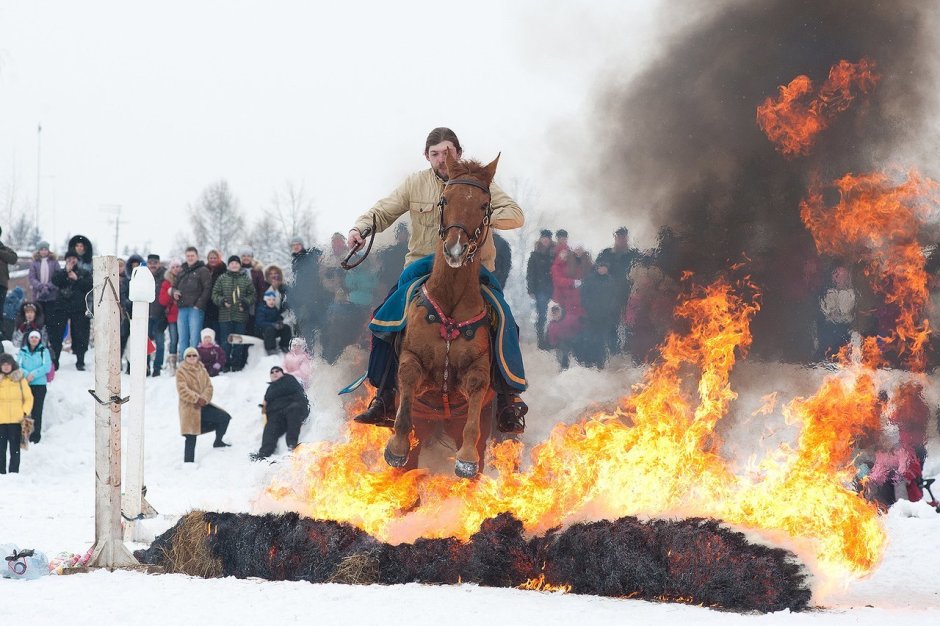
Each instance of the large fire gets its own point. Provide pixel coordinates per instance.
(877, 220)
(657, 455)
(793, 120)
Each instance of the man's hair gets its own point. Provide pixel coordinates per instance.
(192, 249)
(440, 134)
(276, 368)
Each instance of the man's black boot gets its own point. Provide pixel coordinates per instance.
(381, 411)
(510, 414)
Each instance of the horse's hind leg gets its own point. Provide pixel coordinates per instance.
(409, 373)
(475, 384)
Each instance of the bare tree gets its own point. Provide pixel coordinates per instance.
(23, 233)
(293, 211)
(268, 240)
(216, 219)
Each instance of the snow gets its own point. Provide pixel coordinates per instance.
(50, 506)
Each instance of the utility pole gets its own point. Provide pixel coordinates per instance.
(38, 168)
(117, 221)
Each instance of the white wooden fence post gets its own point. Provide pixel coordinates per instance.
(109, 550)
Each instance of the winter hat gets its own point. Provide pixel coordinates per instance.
(545, 233)
(34, 332)
(186, 353)
(270, 293)
(561, 233)
(42, 244)
(153, 257)
(235, 258)
(208, 332)
(71, 253)
(297, 240)
(246, 251)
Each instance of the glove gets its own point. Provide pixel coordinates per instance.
(202, 402)
(577, 283)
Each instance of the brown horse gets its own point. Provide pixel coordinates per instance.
(446, 347)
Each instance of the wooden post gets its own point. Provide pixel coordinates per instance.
(109, 550)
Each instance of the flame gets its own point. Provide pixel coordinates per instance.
(796, 117)
(656, 455)
(878, 220)
(539, 584)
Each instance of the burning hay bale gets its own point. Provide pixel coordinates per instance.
(695, 561)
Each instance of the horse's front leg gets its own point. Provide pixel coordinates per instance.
(475, 384)
(409, 373)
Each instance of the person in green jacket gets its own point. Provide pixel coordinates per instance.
(234, 294)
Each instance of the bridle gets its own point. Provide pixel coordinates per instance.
(479, 235)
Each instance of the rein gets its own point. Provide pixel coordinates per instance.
(450, 330)
(370, 233)
(479, 235)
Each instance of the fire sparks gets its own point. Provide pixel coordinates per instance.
(793, 120)
(878, 221)
(539, 584)
(656, 456)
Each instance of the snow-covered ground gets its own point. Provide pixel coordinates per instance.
(50, 506)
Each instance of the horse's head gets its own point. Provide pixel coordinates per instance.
(465, 209)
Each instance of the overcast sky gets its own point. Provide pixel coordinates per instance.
(142, 105)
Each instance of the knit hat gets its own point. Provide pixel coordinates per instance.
(246, 251)
(297, 240)
(42, 244)
(270, 293)
(208, 332)
(235, 258)
(34, 332)
(186, 353)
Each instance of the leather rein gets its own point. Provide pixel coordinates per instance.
(479, 235)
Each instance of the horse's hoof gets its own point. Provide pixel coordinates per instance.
(466, 469)
(395, 460)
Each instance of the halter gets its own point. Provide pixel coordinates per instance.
(475, 240)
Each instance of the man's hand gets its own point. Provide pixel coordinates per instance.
(355, 238)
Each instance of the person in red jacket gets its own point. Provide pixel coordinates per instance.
(168, 302)
(568, 270)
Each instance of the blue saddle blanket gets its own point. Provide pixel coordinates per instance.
(390, 316)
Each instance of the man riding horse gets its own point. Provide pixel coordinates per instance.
(419, 195)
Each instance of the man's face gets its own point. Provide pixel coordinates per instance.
(191, 258)
(153, 265)
(620, 241)
(234, 266)
(437, 154)
(296, 248)
(79, 247)
(545, 241)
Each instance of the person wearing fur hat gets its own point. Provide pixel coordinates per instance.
(16, 402)
(211, 353)
(73, 282)
(234, 294)
(81, 246)
(35, 362)
(197, 415)
(30, 317)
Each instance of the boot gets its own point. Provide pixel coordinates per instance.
(219, 431)
(189, 449)
(381, 411)
(171, 364)
(510, 414)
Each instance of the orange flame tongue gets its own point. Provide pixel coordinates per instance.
(878, 221)
(657, 455)
(795, 118)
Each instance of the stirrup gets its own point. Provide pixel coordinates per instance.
(511, 417)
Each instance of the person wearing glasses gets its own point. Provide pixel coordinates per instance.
(197, 414)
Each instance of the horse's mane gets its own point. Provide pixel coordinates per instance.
(469, 167)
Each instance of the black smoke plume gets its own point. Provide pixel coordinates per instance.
(680, 144)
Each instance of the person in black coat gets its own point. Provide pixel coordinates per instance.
(620, 259)
(286, 407)
(306, 296)
(538, 277)
(74, 282)
(503, 263)
(602, 313)
(81, 246)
